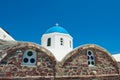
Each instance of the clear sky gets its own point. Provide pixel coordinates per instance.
(88, 21)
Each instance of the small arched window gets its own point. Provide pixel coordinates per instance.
(61, 41)
(49, 42)
(29, 58)
(91, 58)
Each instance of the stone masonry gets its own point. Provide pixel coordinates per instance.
(73, 67)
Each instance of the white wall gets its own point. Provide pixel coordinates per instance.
(117, 57)
(59, 51)
(4, 35)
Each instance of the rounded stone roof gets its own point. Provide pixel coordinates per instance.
(58, 29)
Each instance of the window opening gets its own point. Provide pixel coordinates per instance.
(61, 41)
(29, 58)
(49, 42)
(91, 61)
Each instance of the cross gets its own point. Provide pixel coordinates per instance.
(57, 24)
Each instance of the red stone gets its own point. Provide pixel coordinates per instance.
(8, 74)
(14, 69)
(43, 74)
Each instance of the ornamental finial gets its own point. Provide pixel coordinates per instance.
(57, 24)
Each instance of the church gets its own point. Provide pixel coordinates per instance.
(55, 59)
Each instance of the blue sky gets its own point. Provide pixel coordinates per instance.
(88, 21)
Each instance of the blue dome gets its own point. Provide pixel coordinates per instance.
(58, 29)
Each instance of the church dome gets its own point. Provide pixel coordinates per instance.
(58, 29)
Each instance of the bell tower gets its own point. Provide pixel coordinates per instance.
(58, 41)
